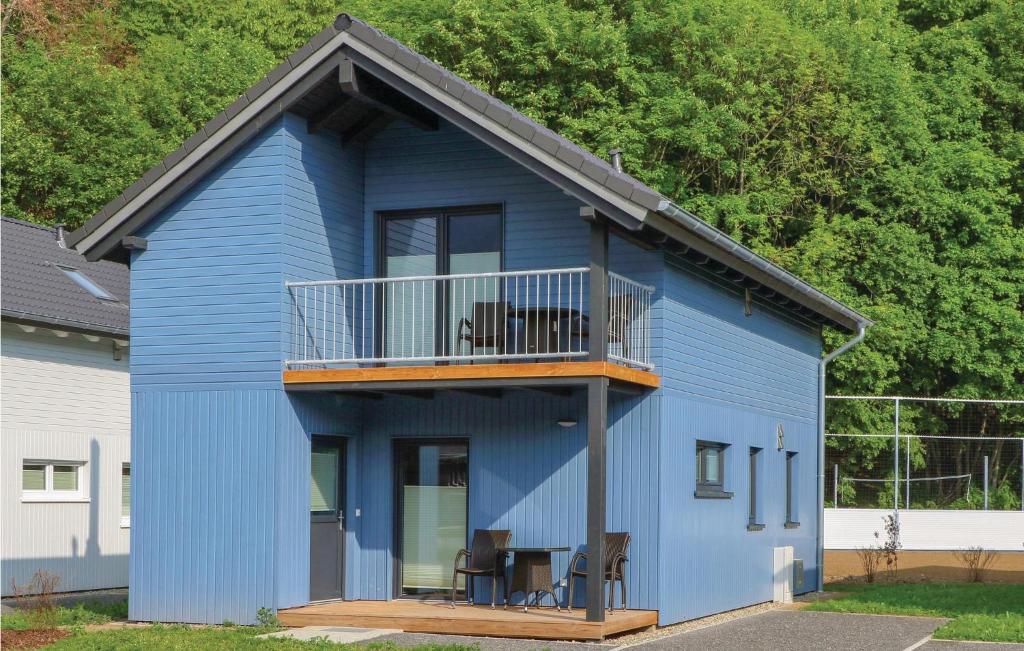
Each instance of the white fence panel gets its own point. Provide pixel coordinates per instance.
(927, 529)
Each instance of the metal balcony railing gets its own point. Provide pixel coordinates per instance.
(538, 315)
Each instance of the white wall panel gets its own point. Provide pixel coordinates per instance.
(927, 530)
(63, 399)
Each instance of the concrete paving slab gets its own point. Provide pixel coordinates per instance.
(341, 634)
(493, 643)
(784, 630)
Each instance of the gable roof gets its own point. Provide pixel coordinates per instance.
(615, 194)
(36, 289)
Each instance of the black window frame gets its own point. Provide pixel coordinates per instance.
(752, 511)
(707, 489)
(791, 490)
(443, 215)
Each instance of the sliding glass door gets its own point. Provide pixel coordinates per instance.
(432, 494)
(421, 318)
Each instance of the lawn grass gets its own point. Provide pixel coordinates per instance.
(185, 638)
(83, 613)
(984, 612)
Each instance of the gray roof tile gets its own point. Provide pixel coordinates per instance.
(36, 290)
(522, 128)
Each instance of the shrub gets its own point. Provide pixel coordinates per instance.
(35, 598)
(891, 547)
(870, 559)
(267, 617)
(975, 560)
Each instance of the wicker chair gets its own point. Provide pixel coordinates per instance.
(487, 327)
(485, 558)
(621, 314)
(616, 550)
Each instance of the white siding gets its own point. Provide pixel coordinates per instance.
(927, 529)
(63, 399)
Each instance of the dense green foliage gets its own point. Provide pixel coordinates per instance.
(993, 612)
(875, 149)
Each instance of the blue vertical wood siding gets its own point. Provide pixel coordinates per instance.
(732, 379)
(203, 526)
(527, 474)
(221, 452)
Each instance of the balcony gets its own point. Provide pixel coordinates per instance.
(503, 321)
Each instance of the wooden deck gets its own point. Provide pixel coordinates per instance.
(440, 617)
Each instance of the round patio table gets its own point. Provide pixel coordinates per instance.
(531, 573)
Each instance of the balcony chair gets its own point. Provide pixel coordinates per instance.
(616, 550)
(486, 328)
(485, 558)
(620, 318)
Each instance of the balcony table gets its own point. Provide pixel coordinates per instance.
(540, 331)
(531, 573)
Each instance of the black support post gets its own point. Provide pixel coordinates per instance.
(597, 420)
(597, 426)
(598, 289)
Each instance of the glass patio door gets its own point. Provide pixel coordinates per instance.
(432, 492)
(421, 318)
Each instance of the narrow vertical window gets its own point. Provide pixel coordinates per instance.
(126, 494)
(752, 509)
(791, 491)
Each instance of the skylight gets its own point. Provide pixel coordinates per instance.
(87, 283)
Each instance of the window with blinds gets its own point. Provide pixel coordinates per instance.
(52, 481)
(126, 494)
(33, 477)
(323, 487)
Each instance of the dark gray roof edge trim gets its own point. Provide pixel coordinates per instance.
(760, 268)
(46, 321)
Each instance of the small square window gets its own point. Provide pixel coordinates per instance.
(33, 477)
(710, 465)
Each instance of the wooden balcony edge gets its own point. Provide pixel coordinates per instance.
(539, 370)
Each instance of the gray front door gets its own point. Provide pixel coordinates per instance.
(326, 516)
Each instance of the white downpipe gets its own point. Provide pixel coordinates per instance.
(822, 366)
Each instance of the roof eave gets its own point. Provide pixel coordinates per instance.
(690, 230)
(81, 327)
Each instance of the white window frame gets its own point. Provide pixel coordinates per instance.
(48, 494)
(126, 520)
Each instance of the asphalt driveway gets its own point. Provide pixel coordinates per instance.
(775, 630)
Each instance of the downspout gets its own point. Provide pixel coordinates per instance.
(822, 365)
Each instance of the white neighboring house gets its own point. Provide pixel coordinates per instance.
(65, 413)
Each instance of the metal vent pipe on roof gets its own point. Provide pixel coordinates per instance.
(616, 156)
(59, 232)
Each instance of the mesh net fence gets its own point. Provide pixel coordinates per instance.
(950, 454)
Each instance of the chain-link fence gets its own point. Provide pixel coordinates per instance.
(924, 453)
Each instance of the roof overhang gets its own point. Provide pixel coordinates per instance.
(623, 200)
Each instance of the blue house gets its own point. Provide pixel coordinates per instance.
(374, 309)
